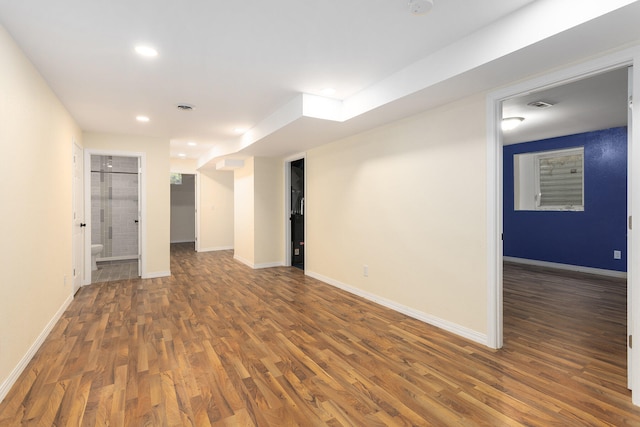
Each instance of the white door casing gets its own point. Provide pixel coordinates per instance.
(142, 235)
(625, 58)
(78, 226)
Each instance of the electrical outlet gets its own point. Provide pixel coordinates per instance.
(365, 271)
(617, 254)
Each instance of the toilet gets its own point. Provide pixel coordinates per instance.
(95, 251)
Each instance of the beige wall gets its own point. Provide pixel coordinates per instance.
(36, 134)
(216, 210)
(157, 222)
(409, 201)
(183, 165)
(269, 206)
(259, 212)
(243, 208)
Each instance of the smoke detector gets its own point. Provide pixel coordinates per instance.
(185, 107)
(420, 7)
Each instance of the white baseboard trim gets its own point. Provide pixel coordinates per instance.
(419, 315)
(268, 265)
(214, 249)
(183, 241)
(578, 268)
(156, 275)
(243, 260)
(17, 371)
(258, 266)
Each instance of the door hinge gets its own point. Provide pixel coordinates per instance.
(630, 341)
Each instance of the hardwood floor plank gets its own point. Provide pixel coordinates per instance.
(219, 344)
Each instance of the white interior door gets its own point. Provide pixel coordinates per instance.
(79, 226)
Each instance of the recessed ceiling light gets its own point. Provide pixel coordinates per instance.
(510, 123)
(146, 51)
(142, 119)
(192, 144)
(182, 155)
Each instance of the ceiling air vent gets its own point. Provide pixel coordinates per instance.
(185, 107)
(540, 104)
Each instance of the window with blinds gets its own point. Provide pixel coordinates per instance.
(560, 180)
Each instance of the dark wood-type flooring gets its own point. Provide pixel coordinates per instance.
(220, 344)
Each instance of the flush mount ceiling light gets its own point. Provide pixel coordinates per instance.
(143, 119)
(146, 51)
(420, 7)
(186, 107)
(510, 123)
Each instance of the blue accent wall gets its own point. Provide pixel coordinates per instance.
(585, 238)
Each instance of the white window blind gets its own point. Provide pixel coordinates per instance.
(561, 180)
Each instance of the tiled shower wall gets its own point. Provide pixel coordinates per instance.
(114, 205)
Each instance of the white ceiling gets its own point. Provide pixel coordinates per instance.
(598, 102)
(247, 64)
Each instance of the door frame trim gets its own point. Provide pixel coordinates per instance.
(620, 59)
(74, 222)
(287, 206)
(142, 214)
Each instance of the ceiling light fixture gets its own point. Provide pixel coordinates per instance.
(146, 51)
(143, 119)
(192, 144)
(420, 7)
(182, 155)
(510, 123)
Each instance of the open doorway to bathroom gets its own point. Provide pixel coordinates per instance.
(115, 208)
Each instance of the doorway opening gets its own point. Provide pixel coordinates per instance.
(619, 60)
(296, 217)
(565, 208)
(115, 217)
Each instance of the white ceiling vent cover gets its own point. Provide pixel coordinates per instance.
(540, 104)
